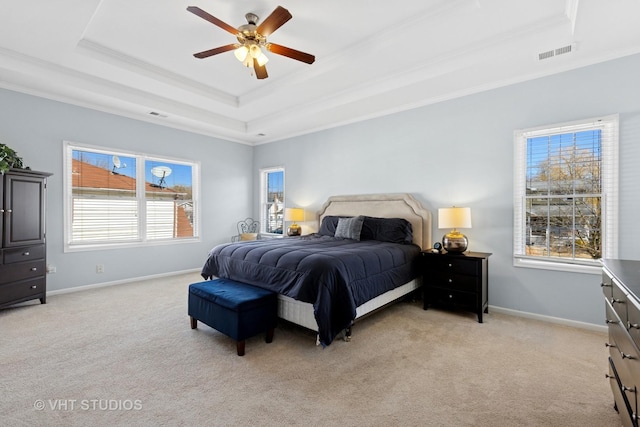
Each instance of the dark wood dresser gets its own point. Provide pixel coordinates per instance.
(457, 280)
(22, 231)
(621, 287)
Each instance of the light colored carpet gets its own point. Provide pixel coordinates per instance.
(125, 355)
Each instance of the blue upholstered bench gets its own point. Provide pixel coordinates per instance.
(236, 309)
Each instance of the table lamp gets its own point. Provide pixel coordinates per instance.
(454, 218)
(294, 215)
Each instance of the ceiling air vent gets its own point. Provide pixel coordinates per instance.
(556, 52)
(155, 113)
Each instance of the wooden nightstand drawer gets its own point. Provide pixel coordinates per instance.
(464, 266)
(451, 297)
(454, 281)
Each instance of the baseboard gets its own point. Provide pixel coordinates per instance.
(550, 319)
(492, 308)
(120, 282)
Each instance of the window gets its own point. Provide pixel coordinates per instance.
(566, 195)
(272, 200)
(118, 198)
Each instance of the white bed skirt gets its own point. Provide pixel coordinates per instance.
(301, 313)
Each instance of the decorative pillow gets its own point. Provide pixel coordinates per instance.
(249, 236)
(394, 230)
(329, 224)
(349, 228)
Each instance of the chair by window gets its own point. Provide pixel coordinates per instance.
(248, 229)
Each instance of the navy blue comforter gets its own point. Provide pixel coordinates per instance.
(335, 275)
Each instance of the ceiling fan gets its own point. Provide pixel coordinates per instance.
(252, 38)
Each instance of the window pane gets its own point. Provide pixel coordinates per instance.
(588, 233)
(104, 205)
(559, 168)
(564, 164)
(113, 198)
(566, 193)
(537, 179)
(560, 227)
(169, 200)
(536, 219)
(589, 162)
(274, 202)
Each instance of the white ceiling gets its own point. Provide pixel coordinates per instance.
(373, 57)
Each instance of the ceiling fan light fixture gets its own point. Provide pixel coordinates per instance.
(255, 51)
(262, 59)
(251, 39)
(241, 53)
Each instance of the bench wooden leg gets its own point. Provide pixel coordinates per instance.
(240, 348)
(194, 322)
(270, 335)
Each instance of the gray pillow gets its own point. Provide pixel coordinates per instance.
(349, 228)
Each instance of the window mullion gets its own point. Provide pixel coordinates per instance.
(141, 198)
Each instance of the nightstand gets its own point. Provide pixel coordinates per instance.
(456, 279)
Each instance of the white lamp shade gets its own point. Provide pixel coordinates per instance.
(294, 214)
(241, 53)
(262, 59)
(255, 51)
(454, 217)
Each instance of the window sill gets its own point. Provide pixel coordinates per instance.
(125, 245)
(595, 268)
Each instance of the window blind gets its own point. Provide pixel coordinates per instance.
(566, 191)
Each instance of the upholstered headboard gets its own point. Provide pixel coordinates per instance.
(401, 205)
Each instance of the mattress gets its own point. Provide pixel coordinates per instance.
(334, 275)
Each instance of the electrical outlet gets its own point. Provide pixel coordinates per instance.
(100, 268)
(51, 268)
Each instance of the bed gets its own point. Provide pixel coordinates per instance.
(326, 283)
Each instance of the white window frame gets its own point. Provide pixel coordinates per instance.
(609, 185)
(142, 241)
(263, 200)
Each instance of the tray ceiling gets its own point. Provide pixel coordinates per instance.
(374, 57)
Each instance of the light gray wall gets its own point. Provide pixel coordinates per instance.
(460, 152)
(36, 129)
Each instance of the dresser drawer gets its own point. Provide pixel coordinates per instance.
(611, 316)
(22, 290)
(464, 266)
(21, 270)
(453, 281)
(633, 321)
(607, 284)
(624, 408)
(619, 302)
(27, 253)
(626, 359)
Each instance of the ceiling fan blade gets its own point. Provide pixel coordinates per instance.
(261, 70)
(215, 21)
(217, 50)
(291, 53)
(274, 21)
